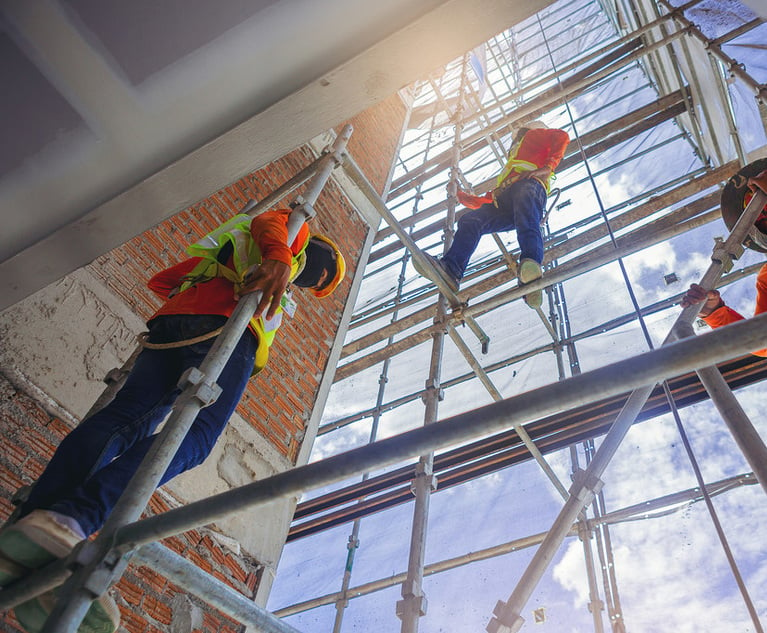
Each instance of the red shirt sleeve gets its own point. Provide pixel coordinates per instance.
(726, 315)
(166, 280)
(722, 316)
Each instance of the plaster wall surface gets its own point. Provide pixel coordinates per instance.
(149, 150)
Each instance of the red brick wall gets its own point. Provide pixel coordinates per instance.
(279, 401)
(142, 594)
(376, 134)
(295, 360)
(277, 404)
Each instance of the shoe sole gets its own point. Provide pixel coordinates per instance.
(441, 273)
(36, 541)
(103, 616)
(19, 548)
(529, 271)
(534, 299)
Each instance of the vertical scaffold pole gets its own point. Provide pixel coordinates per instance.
(588, 482)
(413, 603)
(100, 565)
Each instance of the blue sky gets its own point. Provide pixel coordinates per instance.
(671, 570)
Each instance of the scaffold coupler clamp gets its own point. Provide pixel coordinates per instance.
(424, 472)
(506, 619)
(433, 385)
(585, 486)
(412, 597)
(206, 392)
(114, 376)
(585, 529)
(682, 330)
(106, 571)
(723, 255)
(303, 206)
(456, 312)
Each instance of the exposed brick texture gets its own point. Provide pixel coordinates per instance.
(277, 404)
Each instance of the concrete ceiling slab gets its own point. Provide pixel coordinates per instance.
(153, 127)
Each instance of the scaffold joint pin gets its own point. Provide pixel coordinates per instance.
(585, 485)
(207, 393)
(506, 620)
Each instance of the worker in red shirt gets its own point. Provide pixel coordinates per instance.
(93, 464)
(517, 203)
(713, 310)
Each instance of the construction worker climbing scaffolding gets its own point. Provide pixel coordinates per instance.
(713, 309)
(94, 463)
(517, 203)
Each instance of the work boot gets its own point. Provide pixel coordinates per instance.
(34, 541)
(530, 270)
(444, 274)
(103, 616)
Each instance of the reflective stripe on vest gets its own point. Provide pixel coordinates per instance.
(516, 166)
(245, 254)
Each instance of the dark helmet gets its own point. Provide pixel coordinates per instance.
(735, 197)
(322, 254)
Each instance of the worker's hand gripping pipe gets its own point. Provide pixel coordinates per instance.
(199, 389)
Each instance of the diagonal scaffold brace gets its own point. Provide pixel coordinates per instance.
(359, 179)
(99, 563)
(507, 615)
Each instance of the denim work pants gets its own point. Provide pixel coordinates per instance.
(93, 464)
(520, 207)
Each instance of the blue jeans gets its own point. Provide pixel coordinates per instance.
(520, 207)
(93, 464)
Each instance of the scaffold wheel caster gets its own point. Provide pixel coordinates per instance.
(736, 195)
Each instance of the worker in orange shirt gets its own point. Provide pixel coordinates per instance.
(517, 203)
(93, 464)
(713, 309)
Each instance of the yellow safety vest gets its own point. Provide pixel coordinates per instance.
(245, 254)
(519, 166)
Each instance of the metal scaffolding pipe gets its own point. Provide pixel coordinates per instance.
(588, 236)
(496, 395)
(543, 81)
(413, 603)
(359, 179)
(256, 207)
(199, 389)
(572, 268)
(575, 242)
(508, 617)
(611, 380)
(548, 99)
(639, 511)
(732, 66)
(746, 436)
(209, 589)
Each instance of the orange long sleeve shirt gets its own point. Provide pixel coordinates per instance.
(269, 231)
(726, 315)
